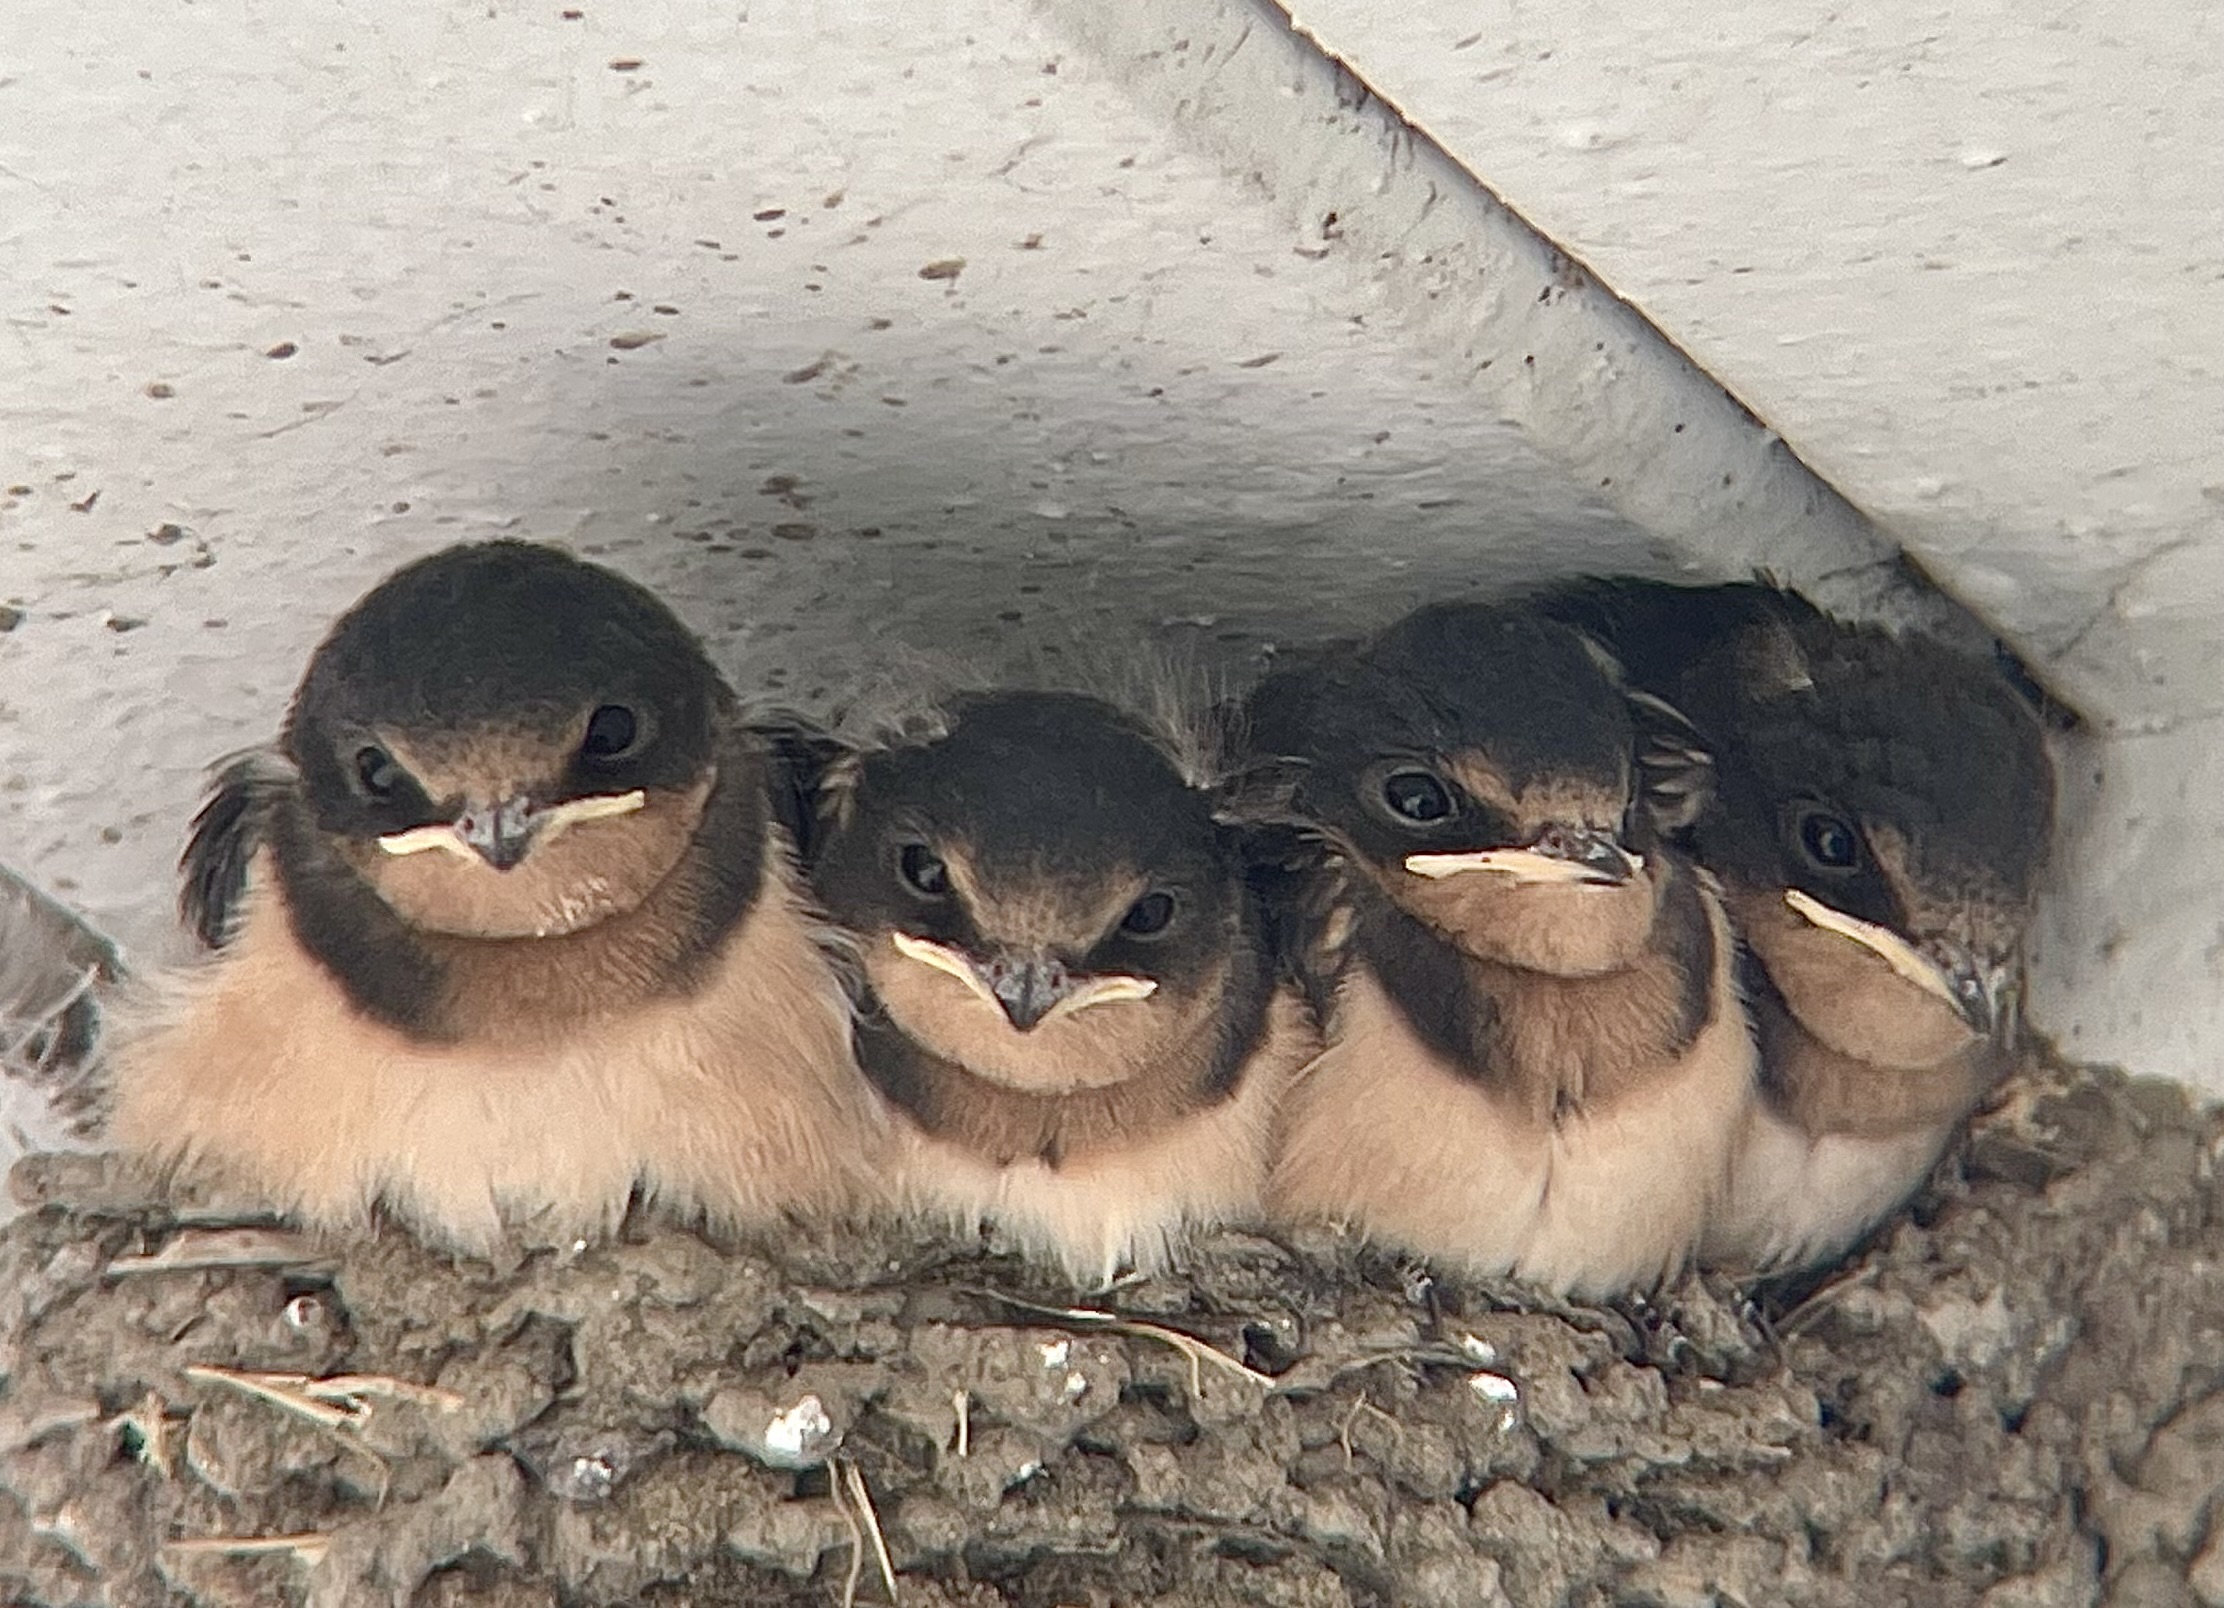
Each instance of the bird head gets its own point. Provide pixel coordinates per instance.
(1884, 814)
(503, 741)
(1487, 771)
(1037, 894)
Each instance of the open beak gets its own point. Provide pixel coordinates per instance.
(1981, 994)
(499, 834)
(1581, 855)
(1029, 989)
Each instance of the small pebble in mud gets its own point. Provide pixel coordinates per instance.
(795, 532)
(165, 535)
(283, 349)
(943, 268)
(634, 339)
(10, 617)
(161, 390)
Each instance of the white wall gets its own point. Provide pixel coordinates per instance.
(1968, 261)
(1138, 407)
(1163, 397)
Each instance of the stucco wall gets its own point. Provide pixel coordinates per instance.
(293, 295)
(2022, 388)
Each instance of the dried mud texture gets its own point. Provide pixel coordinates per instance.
(2016, 1399)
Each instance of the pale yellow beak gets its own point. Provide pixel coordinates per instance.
(1887, 945)
(1523, 865)
(1107, 990)
(448, 835)
(1029, 1003)
(943, 959)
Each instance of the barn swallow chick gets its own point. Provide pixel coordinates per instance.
(1884, 809)
(1537, 1060)
(509, 931)
(56, 972)
(1062, 986)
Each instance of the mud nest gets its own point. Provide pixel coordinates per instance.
(2016, 1397)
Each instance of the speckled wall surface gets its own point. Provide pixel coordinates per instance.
(968, 334)
(851, 339)
(1967, 259)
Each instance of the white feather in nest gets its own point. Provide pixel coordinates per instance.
(54, 971)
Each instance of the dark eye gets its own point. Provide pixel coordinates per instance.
(923, 871)
(1415, 795)
(376, 772)
(1148, 916)
(612, 731)
(1829, 842)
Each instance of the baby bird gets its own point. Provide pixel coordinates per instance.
(509, 931)
(56, 973)
(1884, 810)
(1537, 1058)
(1062, 987)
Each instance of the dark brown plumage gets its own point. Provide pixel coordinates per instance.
(1883, 811)
(1062, 986)
(508, 931)
(56, 973)
(1536, 1059)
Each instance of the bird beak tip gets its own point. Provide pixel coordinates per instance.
(1974, 992)
(499, 834)
(1028, 991)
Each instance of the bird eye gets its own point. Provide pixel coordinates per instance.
(1829, 842)
(376, 773)
(923, 871)
(1415, 795)
(612, 731)
(1148, 916)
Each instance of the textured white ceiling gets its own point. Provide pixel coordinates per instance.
(292, 299)
(1232, 358)
(1968, 259)
(2032, 413)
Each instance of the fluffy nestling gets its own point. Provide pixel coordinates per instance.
(1062, 988)
(509, 930)
(56, 973)
(1884, 809)
(1537, 1059)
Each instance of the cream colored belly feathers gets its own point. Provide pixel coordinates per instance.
(1095, 1214)
(731, 1103)
(1611, 1197)
(1798, 1198)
